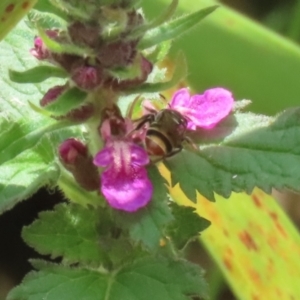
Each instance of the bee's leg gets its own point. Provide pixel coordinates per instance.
(140, 123)
(174, 151)
(191, 144)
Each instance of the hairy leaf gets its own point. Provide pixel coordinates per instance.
(148, 279)
(67, 101)
(186, 226)
(37, 74)
(69, 231)
(27, 158)
(174, 28)
(266, 157)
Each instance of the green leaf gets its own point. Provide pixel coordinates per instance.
(186, 226)
(147, 224)
(265, 157)
(14, 53)
(20, 136)
(46, 7)
(28, 141)
(179, 74)
(27, 172)
(174, 28)
(69, 231)
(147, 279)
(67, 101)
(11, 12)
(159, 53)
(162, 18)
(37, 74)
(81, 10)
(47, 20)
(57, 47)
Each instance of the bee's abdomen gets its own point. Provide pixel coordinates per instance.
(157, 143)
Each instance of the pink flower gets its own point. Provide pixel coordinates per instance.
(204, 111)
(40, 50)
(124, 182)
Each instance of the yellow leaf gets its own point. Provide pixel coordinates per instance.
(253, 242)
(11, 12)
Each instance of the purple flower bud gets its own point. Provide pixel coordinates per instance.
(40, 51)
(52, 94)
(117, 85)
(117, 54)
(70, 150)
(87, 77)
(205, 110)
(75, 158)
(85, 34)
(67, 61)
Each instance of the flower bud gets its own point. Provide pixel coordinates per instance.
(52, 94)
(85, 34)
(117, 54)
(87, 77)
(40, 51)
(75, 158)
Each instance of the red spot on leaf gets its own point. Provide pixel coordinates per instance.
(274, 216)
(270, 266)
(281, 230)
(3, 19)
(278, 292)
(9, 8)
(226, 233)
(255, 297)
(277, 223)
(25, 5)
(272, 241)
(227, 263)
(256, 201)
(229, 251)
(247, 240)
(254, 275)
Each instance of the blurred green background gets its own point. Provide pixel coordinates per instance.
(243, 55)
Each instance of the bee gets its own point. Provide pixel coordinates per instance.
(165, 133)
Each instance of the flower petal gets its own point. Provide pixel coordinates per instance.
(127, 192)
(209, 109)
(180, 98)
(139, 156)
(205, 110)
(104, 157)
